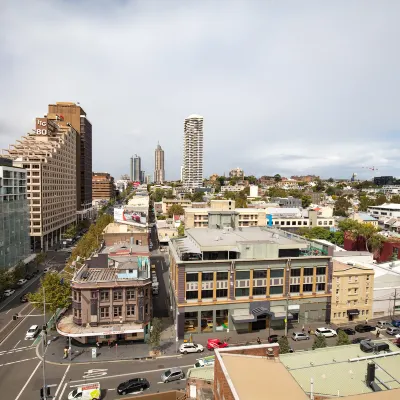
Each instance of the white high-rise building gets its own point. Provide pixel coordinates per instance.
(193, 152)
(159, 172)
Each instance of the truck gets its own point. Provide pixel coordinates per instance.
(89, 391)
(205, 362)
(154, 287)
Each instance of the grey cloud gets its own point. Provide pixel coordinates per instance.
(314, 81)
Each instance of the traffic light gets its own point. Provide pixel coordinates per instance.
(42, 391)
(15, 317)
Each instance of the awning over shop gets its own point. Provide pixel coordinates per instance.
(294, 307)
(282, 315)
(242, 319)
(353, 312)
(259, 311)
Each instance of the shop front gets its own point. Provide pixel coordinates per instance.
(353, 314)
(206, 321)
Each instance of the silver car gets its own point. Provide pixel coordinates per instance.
(392, 330)
(300, 336)
(173, 374)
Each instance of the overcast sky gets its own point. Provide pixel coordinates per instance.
(289, 87)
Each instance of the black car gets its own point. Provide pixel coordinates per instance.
(358, 340)
(347, 331)
(273, 339)
(364, 328)
(24, 298)
(133, 386)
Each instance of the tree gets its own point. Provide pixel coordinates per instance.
(338, 238)
(380, 199)
(175, 209)
(221, 180)
(57, 292)
(316, 233)
(197, 196)
(319, 187)
(229, 195)
(375, 242)
(364, 203)
(155, 333)
(158, 195)
(71, 231)
(367, 231)
(342, 338)
(330, 191)
(305, 201)
(395, 199)
(319, 342)
(331, 180)
(342, 206)
(40, 258)
(284, 346)
(296, 193)
(277, 178)
(251, 179)
(168, 194)
(240, 202)
(277, 192)
(181, 230)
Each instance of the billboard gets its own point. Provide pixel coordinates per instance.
(133, 217)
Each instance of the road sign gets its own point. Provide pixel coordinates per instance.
(94, 352)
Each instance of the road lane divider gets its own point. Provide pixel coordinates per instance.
(17, 323)
(61, 383)
(19, 361)
(27, 382)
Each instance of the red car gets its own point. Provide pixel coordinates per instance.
(216, 344)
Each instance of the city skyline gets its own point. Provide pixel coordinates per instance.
(282, 104)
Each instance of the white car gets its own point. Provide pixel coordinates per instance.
(9, 292)
(327, 332)
(185, 348)
(32, 332)
(47, 269)
(21, 282)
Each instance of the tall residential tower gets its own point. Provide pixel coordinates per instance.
(193, 152)
(159, 171)
(137, 168)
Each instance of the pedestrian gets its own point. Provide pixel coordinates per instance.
(109, 343)
(378, 332)
(66, 351)
(258, 340)
(309, 330)
(366, 321)
(302, 329)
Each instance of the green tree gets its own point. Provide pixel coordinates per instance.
(330, 191)
(175, 209)
(155, 333)
(277, 192)
(71, 231)
(40, 258)
(319, 342)
(376, 242)
(331, 180)
(169, 194)
(319, 187)
(395, 199)
(181, 230)
(316, 233)
(364, 203)
(380, 199)
(342, 338)
(341, 207)
(338, 238)
(197, 197)
(57, 292)
(230, 195)
(296, 193)
(284, 346)
(221, 180)
(277, 178)
(251, 179)
(158, 195)
(305, 201)
(240, 202)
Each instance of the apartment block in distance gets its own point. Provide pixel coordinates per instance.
(103, 186)
(14, 212)
(352, 292)
(75, 115)
(49, 157)
(111, 297)
(246, 279)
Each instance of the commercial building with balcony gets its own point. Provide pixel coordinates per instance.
(14, 212)
(246, 279)
(111, 298)
(49, 157)
(352, 292)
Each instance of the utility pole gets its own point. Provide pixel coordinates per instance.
(394, 303)
(287, 314)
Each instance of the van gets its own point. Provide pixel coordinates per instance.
(90, 391)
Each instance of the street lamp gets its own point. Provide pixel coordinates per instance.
(176, 331)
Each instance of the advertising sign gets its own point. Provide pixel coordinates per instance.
(41, 126)
(125, 216)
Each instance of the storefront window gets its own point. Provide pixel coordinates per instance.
(221, 321)
(207, 321)
(191, 321)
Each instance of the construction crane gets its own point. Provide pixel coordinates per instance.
(373, 169)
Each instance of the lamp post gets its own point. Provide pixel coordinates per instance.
(176, 331)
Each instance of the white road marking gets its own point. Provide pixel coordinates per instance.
(19, 361)
(62, 381)
(131, 373)
(16, 344)
(94, 373)
(8, 310)
(15, 328)
(12, 351)
(61, 395)
(27, 382)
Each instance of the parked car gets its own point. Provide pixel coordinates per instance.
(185, 348)
(32, 332)
(47, 269)
(9, 292)
(392, 330)
(396, 323)
(383, 324)
(347, 331)
(24, 298)
(364, 328)
(273, 339)
(133, 386)
(300, 336)
(21, 282)
(29, 276)
(216, 344)
(327, 332)
(173, 374)
(359, 339)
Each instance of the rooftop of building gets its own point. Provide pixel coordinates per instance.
(366, 217)
(389, 206)
(347, 266)
(125, 248)
(115, 227)
(205, 373)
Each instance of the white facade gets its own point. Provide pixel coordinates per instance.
(234, 188)
(385, 210)
(192, 175)
(253, 191)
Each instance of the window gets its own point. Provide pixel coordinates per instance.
(334, 315)
(294, 288)
(295, 272)
(362, 312)
(276, 273)
(337, 291)
(146, 309)
(366, 301)
(117, 311)
(77, 313)
(259, 291)
(222, 276)
(242, 292)
(307, 287)
(146, 292)
(242, 274)
(222, 292)
(130, 294)
(275, 290)
(104, 312)
(308, 272)
(320, 287)
(77, 295)
(367, 277)
(192, 277)
(192, 294)
(117, 295)
(130, 310)
(259, 274)
(321, 270)
(207, 276)
(104, 295)
(207, 294)
(366, 312)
